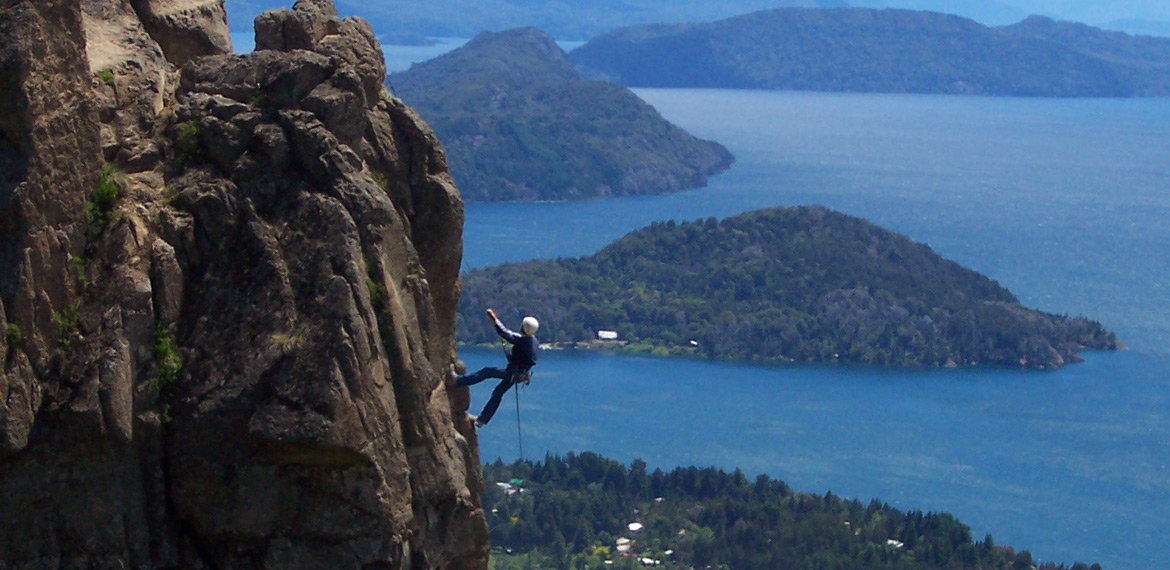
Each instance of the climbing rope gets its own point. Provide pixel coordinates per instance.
(519, 438)
(515, 390)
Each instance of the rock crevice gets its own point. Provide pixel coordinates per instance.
(229, 294)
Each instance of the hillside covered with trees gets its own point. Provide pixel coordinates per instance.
(891, 51)
(576, 511)
(518, 123)
(783, 284)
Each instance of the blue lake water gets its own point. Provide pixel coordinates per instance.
(1065, 202)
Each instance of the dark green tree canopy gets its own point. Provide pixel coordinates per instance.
(783, 284)
(572, 510)
(518, 123)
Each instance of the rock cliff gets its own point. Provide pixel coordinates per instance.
(227, 290)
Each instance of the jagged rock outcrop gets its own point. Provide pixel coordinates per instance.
(186, 29)
(48, 147)
(228, 287)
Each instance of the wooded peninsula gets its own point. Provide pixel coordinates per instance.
(804, 284)
(518, 123)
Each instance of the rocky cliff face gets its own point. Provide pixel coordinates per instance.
(227, 290)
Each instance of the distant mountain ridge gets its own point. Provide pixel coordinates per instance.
(782, 284)
(895, 51)
(518, 123)
(1140, 27)
(584, 19)
(990, 12)
(579, 20)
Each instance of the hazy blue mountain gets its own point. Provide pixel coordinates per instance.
(893, 51)
(1098, 11)
(1124, 49)
(519, 124)
(579, 20)
(587, 18)
(988, 12)
(1140, 27)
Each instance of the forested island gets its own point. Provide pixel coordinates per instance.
(784, 284)
(518, 123)
(891, 51)
(588, 512)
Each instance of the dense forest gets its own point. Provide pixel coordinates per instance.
(518, 123)
(892, 51)
(783, 284)
(575, 512)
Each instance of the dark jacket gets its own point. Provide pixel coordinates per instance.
(524, 347)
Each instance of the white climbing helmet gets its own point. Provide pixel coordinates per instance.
(529, 325)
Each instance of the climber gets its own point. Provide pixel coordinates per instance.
(521, 359)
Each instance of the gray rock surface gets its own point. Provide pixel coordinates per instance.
(186, 29)
(238, 361)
